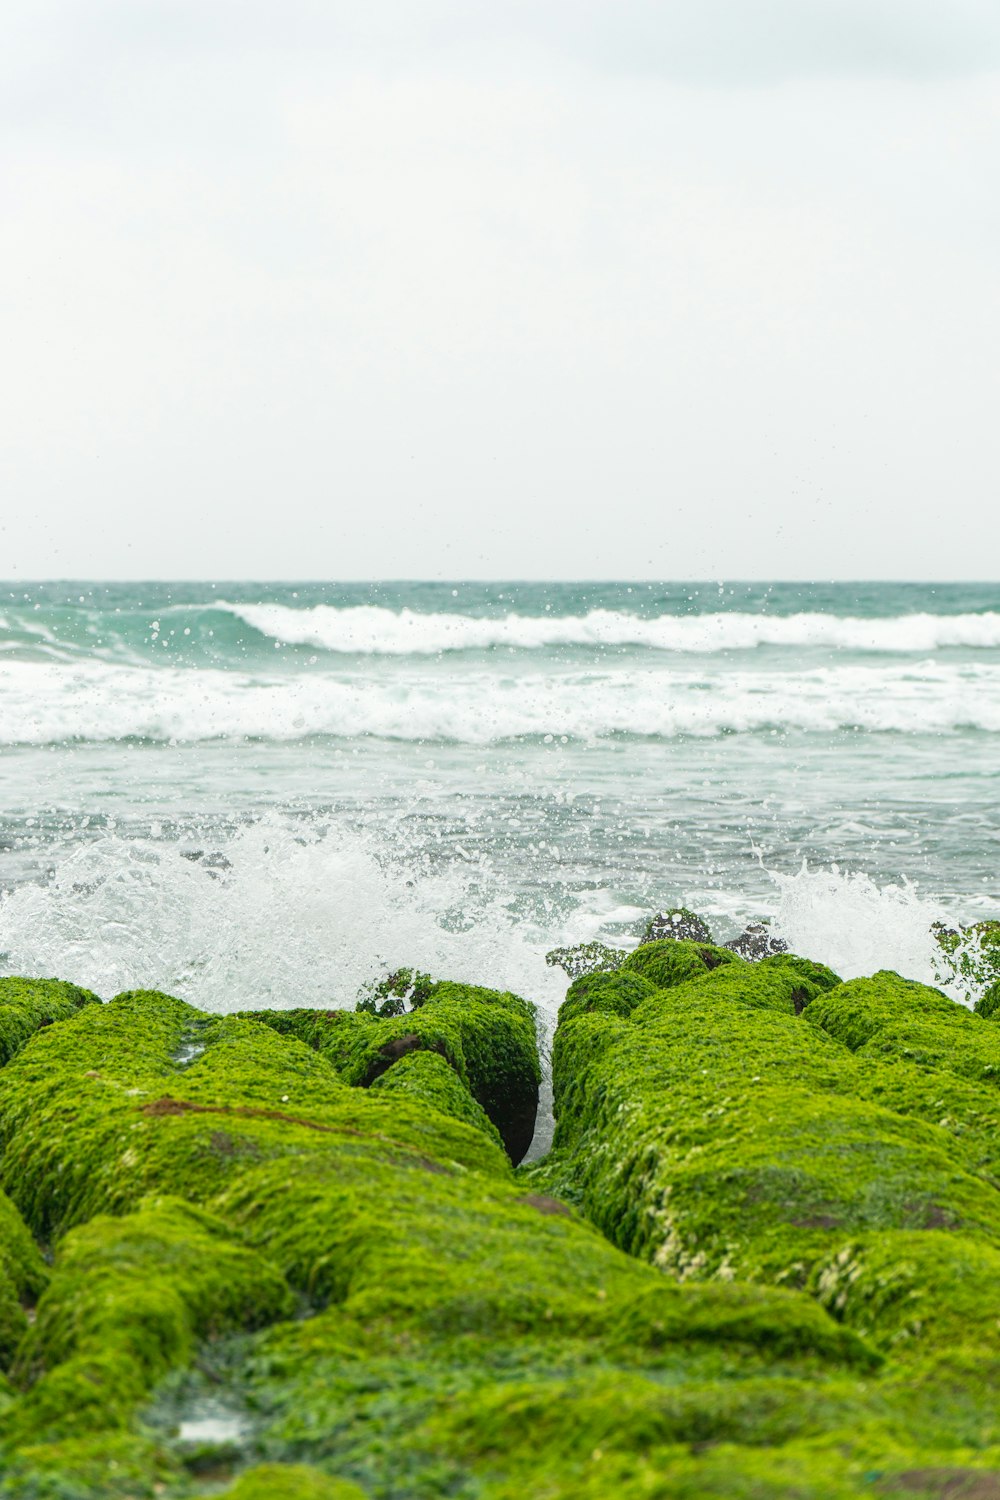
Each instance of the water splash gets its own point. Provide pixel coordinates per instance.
(279, 912)
(856, 926)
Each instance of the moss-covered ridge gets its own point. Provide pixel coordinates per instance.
(243, 1217)
(487, 1037)
(762, 1121)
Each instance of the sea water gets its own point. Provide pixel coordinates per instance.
(251, 794)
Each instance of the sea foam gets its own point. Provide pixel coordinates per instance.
(48, 702)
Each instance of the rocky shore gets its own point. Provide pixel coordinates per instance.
(297, 1255)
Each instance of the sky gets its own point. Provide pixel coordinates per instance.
(515, 289)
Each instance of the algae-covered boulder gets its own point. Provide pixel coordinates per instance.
(891, 1017)
(28, 1004)
(669, 961)
(988, 1004)
(728, 1125)
(487, 1036)
(616, 994)
(129, 1298)
(223, 1176)
(23, 1274)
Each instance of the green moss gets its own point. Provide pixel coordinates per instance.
(414, 1251)
(818, 974)
(718, 1134)
(578, 1051)
(127, 1301)
(425, 1078)
(290, 1482)
(782, 983)
(27, 1004)
(107, 1465)
(23, 1274)
(487, 1036)
(778, 1323)
(817, 1320)
(98, 1112)
(966, 1113)
(670, 961)
(616, 994)
(528, 1424)
(988, 1004)
(930, 1293)
(890, 1017)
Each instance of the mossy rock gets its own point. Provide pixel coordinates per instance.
(106, 1465)
(819, 1322)
(929, 1292)
(28, 1004)
(715, 1132)
(23, 1275)
(128, 1299)
(616, 994)
(98, 1112)
(440, 1277)
(890, 1017)
(487, 1036)
(782, 982)
(818, 974)
(425, 1078)
(988, 1004)
(670, 961)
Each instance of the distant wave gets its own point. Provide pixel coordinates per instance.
(46, 702)
(374, 630)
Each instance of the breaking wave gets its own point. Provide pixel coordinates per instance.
(48, 702)
(374, 630)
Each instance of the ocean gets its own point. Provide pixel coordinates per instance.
(250, 794)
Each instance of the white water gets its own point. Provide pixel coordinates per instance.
(855, 925)
(283, 913)
(297, 916)
(374, 629)
(46, 702)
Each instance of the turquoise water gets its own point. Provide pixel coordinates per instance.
(250, 789)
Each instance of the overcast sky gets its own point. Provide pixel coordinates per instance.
(520, 288)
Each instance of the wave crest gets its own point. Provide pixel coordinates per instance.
(375, 630)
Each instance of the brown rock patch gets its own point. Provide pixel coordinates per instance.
(547, 1205)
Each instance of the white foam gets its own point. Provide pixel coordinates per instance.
(847, 920)
(220, 1427)
(46, 702)
(295, 916)
(373, 629)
